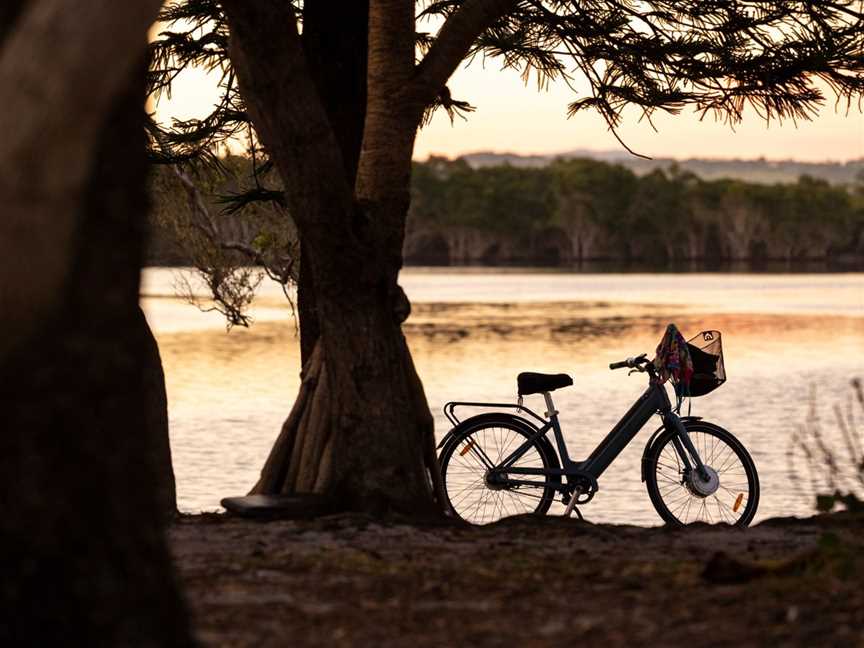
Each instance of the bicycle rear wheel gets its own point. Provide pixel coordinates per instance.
(730, 496)
(465, 470)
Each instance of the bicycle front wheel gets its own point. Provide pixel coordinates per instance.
(729, 495)
(478, 495)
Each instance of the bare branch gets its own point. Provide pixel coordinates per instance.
(455, 40)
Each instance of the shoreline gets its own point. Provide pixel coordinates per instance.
(828, 265)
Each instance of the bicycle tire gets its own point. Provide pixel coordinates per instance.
(725, 450)
(490, 505)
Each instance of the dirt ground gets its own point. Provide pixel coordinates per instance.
(355, 581)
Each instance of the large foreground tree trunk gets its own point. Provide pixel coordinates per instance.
(155, 404)
(83, 532)
(114, 190)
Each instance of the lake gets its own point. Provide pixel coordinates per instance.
(792, 342)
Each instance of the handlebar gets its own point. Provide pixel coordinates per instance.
(632, 363)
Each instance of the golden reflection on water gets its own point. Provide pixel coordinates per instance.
(229, 393)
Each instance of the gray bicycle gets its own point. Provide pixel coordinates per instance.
(502, 463)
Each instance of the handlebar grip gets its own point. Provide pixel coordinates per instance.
(619, 365)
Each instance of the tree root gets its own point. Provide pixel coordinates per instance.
(321, 445)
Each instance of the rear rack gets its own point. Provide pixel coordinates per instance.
(450, 409)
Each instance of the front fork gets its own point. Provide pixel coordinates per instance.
(684, 445)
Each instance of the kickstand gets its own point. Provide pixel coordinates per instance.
(571, 506)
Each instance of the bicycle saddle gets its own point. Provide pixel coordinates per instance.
(537, 383)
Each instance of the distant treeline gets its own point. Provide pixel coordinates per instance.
(566, 213)
(580, 210)
(760, 171)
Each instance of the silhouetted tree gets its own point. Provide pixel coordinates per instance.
(85, 558)
(336, 105)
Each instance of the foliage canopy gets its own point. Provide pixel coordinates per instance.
(717, 56)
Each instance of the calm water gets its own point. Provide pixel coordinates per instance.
(472, 331)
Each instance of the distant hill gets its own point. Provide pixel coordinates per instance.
(759, 171)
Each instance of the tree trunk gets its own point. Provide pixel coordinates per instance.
(83, 535)
(112, 190)
(307, 310)
(155, 410)
(46, 67)
(360, 430)
(336, 55)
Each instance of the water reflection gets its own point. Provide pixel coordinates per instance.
(471, 334)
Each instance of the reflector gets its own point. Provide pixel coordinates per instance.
(467, 447)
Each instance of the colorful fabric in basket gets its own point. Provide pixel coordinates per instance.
(673, 360)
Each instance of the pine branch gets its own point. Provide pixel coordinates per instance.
(455, 40)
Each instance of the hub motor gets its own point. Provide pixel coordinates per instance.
(700, 486)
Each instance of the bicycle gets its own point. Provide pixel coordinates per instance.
(694, 470)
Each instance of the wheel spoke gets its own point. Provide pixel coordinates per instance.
(682, 503)
(464, 472)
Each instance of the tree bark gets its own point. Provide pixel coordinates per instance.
(335, 51)
(360, 430)
(83, 535)
(154, 406)
(46, 150)
(9, 12)
(114, 189)
(307, 310)
(336, 56)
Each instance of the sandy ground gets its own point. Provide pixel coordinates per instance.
(351, 580)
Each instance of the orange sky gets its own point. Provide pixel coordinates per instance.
(511, 117)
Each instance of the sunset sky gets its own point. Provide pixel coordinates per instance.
(513, 117)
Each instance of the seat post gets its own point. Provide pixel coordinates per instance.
(550, 406)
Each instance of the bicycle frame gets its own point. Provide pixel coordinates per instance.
(654, 400)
